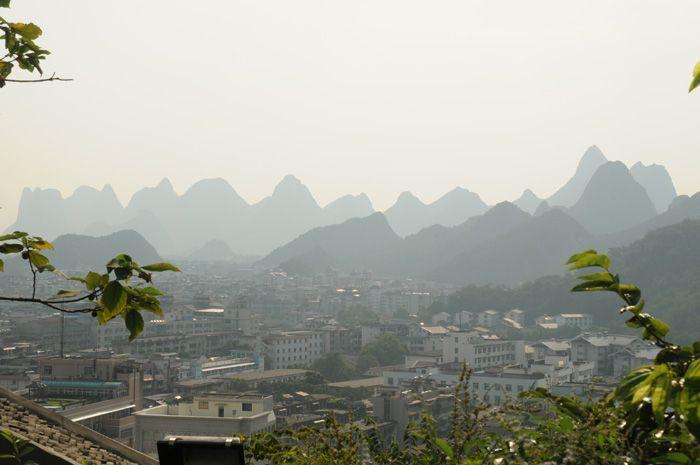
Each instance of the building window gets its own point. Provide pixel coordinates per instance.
(509, 387)
(203, 405)
(247, 407)
(221, 411)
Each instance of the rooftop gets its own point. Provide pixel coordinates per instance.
(253, 376)
(61, 437)
(358, 383)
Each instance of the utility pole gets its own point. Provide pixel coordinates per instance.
(62, 333)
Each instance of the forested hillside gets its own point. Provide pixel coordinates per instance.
(665, 264)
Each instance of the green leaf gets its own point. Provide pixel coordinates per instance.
(29, 31)
(4, 3)
(92, 280)
(593, 286)
(578, 256)
(157, 267)
(14, 235)
(11, 248)
(591, 259)
(134, 323)
(603, 276)
(40, 261)
(445, 447)
(150, 290)
(696, 78)
(66, 293)
(671, 458)
(659, 329)
(633, 293)
(659, 397)
(5, 69)
(2, 266)
(113, 298)
(40, 244)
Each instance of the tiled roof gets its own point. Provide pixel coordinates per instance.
(56, 434)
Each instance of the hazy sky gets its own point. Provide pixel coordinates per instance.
(375, 96)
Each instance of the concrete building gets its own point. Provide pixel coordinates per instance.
(599, 347)
(480, 353)
(498, 387)
(488, 318)
(463, 319)
(516, 315)
(400, 407)
(551, 347)
(206, 415)
(293, 349)
(628, 359)
(582, 321)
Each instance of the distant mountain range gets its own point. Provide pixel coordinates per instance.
(409, 214)
(604, 197)
(504, 245)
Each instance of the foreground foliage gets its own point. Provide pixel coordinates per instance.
(21, 50)
(652, 417)
(124, 290)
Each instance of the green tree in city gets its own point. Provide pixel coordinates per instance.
(386, 349)
(333, 367)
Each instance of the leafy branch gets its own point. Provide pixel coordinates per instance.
(661, 401)
(654, 329)
(21, 50)
(106, 295)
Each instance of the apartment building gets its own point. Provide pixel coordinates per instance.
(599, 348)
(498, 387)
(293, 349)
(480, 353)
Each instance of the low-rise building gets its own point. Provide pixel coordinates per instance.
(479, 353)
(497, 387)
(628, 359)
(599, 347)
(207, 415)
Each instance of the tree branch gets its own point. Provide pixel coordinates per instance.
(52, 78)
(53, 305)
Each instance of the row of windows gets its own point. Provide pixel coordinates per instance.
(494, 359)
(498, 387)
(290, 350)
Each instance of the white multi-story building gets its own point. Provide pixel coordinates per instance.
(599, 348)
(207, 415)
(463, 319)
(293, 349)
(628, 359)
(582, 321)
(497, 388)
(488, 318)
(471, 348)
(516, 315)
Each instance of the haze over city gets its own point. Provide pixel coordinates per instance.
(386, 232)
(376, 97)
